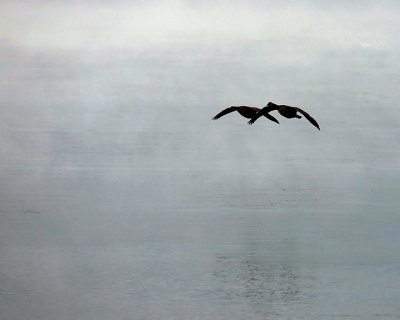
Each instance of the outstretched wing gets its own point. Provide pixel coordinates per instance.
(267, 115)
(309, 118)
(224, 112)
(263, 112)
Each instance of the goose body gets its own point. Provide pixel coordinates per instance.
(286, 111)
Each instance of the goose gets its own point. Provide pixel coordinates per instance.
(286, 111)
(245, 111)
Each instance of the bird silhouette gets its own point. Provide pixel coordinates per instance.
(286, 111)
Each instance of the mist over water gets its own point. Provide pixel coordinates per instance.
(120, 198)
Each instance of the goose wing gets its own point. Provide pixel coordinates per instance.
(224, 112)
(267, 115)
(263, 112)
(309, 118)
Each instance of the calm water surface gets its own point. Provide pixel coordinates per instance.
(121, 199)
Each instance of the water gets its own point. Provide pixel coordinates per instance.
(120, 198)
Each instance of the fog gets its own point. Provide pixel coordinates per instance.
(121, 198)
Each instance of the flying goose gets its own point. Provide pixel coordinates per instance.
(247, 112)
(286, 111)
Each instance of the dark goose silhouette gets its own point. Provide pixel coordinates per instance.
(247, 112)
(286, 111)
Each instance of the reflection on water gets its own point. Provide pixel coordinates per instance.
(160, 258)
(258, 282)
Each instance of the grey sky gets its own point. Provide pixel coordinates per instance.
(123, 24)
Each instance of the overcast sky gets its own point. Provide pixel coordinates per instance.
(138, 64)
(71, 25)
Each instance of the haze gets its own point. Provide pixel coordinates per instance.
(120, 198)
